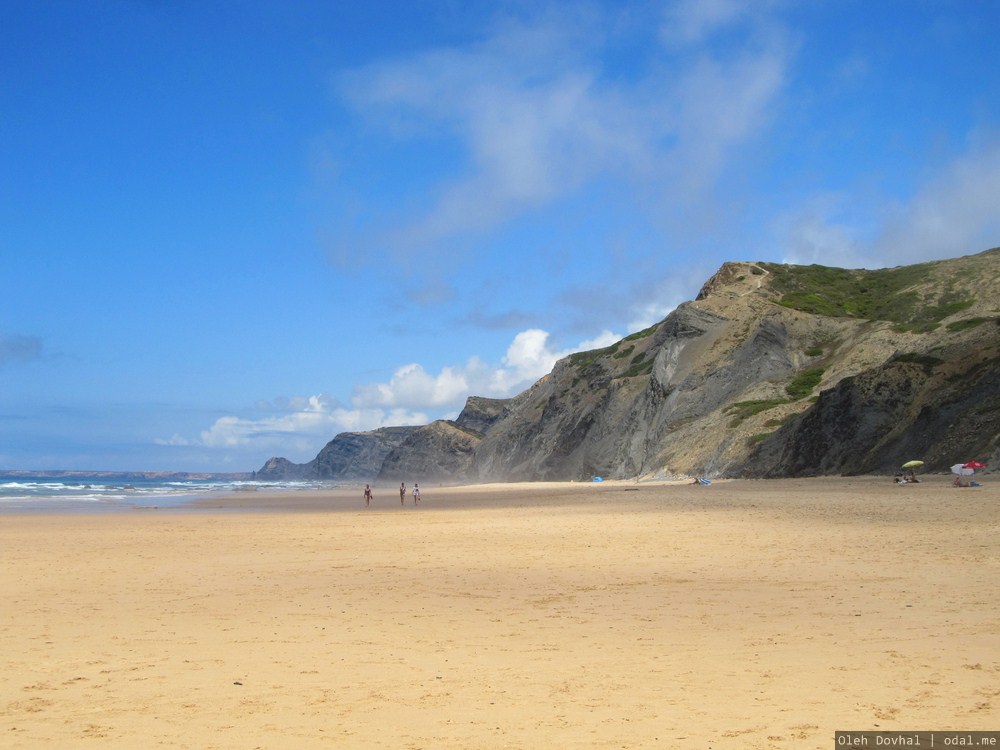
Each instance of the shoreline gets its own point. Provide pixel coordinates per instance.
(342, 498)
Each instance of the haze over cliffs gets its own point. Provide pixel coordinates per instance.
(774, 370)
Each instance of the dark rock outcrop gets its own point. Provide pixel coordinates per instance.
(281, 469)
(941, 410)
(438, 452)
(480, 413)
(349, 456)
(358, 455)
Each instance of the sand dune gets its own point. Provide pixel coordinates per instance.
(740, 615)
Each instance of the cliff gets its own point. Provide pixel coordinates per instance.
(350, 456)
(438, 452)
(773, 370)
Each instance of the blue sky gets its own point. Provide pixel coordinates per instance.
(232, 230)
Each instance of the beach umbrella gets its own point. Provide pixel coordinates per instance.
(962, 470)
(974, 465)
(912, 464)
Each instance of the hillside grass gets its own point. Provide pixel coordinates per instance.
(742, 410)
(804, 383)
(638, 365)
(964, 325)
(885, 294)
(642, 334)
(801, 386)
(582, 359)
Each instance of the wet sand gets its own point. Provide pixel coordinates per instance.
(739, 615)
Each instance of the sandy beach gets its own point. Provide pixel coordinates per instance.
(614, 615)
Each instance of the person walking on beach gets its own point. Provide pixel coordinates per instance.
(416, 493)
(402, 493)
(368, 495)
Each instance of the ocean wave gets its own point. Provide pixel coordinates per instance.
(62, 492)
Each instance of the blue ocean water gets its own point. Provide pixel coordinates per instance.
(116, 491)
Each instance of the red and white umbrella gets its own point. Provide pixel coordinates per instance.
(974, 465)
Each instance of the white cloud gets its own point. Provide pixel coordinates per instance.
(538, 119)
(652, 312)
(688, 22)
(411, 396)
(314, 415)
(601, 340)
(722, 104)
(954, 212)
(175, 440)
(304, 424)
(319, 417)
(528, 354)
(528, 358)
(532, 132)
(411, 385)
(820, 232)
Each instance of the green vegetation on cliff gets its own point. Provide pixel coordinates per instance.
(885, 294)
(742, 410)
(804, 383)
(638, 365)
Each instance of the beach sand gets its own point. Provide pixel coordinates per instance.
(615, 615)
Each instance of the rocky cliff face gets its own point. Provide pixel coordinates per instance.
(349, 456)
(942, 408)
(772, 371)
(438, 452)
(281, 469)
(480, 414)
(358, 455)
(443, 450)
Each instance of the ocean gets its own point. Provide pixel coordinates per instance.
(107, 491)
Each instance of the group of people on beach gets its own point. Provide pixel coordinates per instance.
(957, 481)
(402, 494)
